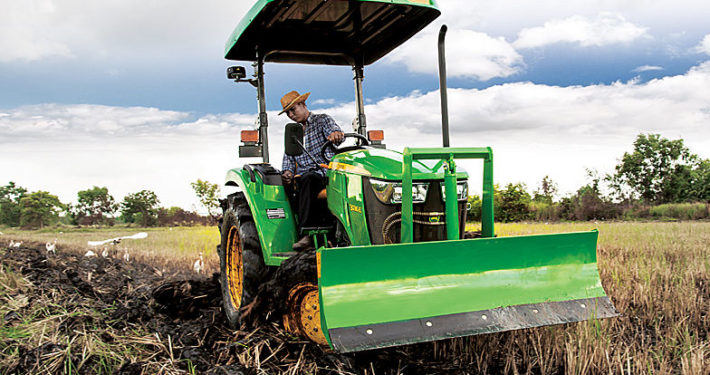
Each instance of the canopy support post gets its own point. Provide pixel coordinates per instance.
(261, 98)
(359, 101)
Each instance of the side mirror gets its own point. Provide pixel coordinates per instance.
(293, 139)
(236, 72)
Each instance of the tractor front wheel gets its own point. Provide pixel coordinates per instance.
(297, 292)
(242, 267)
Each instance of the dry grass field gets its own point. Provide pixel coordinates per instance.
(657, 275)
(172, 248)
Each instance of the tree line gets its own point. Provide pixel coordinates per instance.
(659, 178)
(96, 206)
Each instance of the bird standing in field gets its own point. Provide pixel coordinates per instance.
(104, 253)
(14, 244)
(199, 264)
(51, 247)
(126, 256)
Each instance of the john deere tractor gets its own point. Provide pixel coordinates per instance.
(395, 265)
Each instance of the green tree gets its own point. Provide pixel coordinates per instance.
(546, 192)
(39, 209)
(474, 208)
(10, 196)
(699, 189)
(514, 203)
(140, 208)
(657, 171)
(208, 195)
(589, 203)
(93, 206)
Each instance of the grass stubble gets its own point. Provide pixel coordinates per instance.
(657, 275)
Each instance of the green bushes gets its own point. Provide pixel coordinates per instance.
(514, 204)
(681, 211)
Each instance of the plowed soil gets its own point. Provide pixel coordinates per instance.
(183, 311)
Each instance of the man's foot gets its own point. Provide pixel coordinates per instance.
(306, 242)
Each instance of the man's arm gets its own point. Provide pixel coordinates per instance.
(332, 131)
(287, 170)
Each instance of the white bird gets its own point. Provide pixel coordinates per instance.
(199, 264)
(51, 247)
(118, 239)
(16, 245)
(90, 254)
(126, 257)
(104, 253)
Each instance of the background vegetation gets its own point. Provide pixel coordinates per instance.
(660, 179)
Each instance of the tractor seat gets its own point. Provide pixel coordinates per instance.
(323, 194)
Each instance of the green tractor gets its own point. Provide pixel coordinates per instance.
(396, 266)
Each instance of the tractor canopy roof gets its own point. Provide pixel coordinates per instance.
(332, 32)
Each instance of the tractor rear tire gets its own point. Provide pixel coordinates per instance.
(242, 267)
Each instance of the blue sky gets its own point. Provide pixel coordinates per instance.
(132, 94)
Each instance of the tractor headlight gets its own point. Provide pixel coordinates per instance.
(391, 192)
(461, 190)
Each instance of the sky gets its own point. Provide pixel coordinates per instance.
(133, 95)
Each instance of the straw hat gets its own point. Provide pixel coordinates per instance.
(292, 98)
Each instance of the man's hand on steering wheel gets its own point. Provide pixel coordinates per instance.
(361, 140)
(336, 137)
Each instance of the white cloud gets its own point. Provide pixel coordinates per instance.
(25, 33)
(323, 102)
(115, 29)
(537, 129)
(469, 54)
(64, 149)
(606, 29)
(704, 46)
(646, 68)
(534, 130)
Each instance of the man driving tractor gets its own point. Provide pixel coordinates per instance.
(317, 129)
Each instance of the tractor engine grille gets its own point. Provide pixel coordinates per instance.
(384, 220)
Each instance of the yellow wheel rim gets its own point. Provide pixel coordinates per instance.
(303, 313)
(234, 266)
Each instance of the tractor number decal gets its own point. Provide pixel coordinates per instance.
(275, 213)
(355, 208)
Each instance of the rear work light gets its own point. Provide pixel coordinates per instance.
(250, 137)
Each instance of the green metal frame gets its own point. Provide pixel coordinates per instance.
(275, 235)
(447, 154)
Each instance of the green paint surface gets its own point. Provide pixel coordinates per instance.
(389, 283)
(276, 235)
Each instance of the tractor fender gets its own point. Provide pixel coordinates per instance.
(270, 211)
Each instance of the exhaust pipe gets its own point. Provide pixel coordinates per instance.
(442, 87)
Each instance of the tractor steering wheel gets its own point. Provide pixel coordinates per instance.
(361, 141)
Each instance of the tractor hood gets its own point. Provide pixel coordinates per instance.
(387, 165)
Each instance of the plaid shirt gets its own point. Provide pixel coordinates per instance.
(318, 127)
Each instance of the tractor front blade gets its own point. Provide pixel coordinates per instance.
(387, 295)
